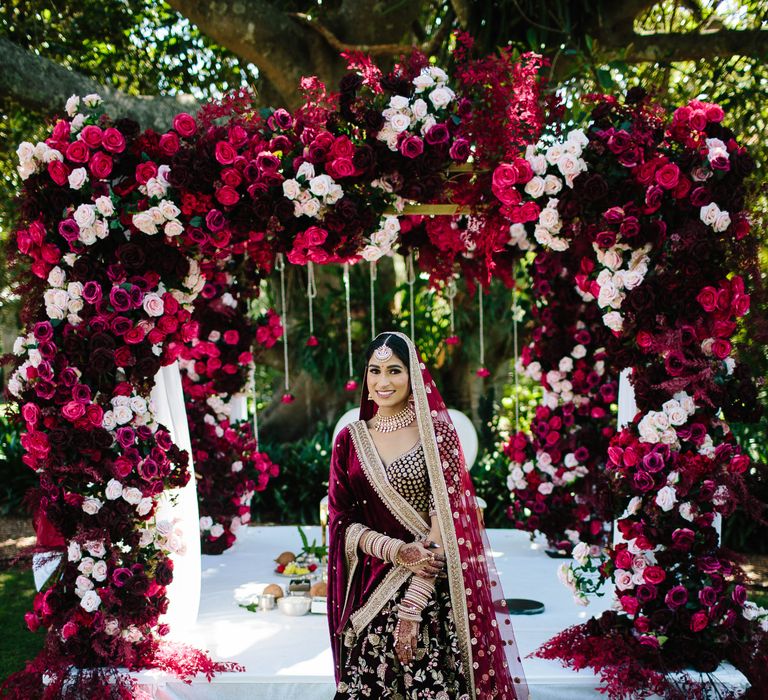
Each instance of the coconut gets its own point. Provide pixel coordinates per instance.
(319, 589)
(285, 558)
(275, 590)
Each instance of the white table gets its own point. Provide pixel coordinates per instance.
(289, 658)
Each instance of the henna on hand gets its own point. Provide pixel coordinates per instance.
(406, 639)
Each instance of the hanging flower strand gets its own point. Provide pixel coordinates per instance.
(450, 292)
(483, 371)
(374, 277)
(311, 294)
(411, 280)
(288, 397)
(351, 384)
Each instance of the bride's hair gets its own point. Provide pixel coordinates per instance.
(398, 345)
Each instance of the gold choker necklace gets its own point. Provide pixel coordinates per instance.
(401, 419)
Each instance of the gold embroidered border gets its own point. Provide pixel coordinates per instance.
(444, 514)
(373, 468)
(351, 542)
(389, 585)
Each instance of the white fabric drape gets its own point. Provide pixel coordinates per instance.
(179, 505)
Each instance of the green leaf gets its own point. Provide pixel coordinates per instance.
(532, 38)
(196, 221)
(589, 42)
(604, 78)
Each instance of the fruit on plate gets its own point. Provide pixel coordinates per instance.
(275, 590)
(285, 558)
(293, 569)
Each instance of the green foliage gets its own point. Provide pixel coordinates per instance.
(17, 590)
(15, 477)
(294, 496)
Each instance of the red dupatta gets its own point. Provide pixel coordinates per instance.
(359, 495)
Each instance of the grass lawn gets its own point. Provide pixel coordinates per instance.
(17, 643)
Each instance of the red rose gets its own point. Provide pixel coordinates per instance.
(699, 621)
(528, 212)
(58, 172)
(122, 467)
(231, 177)
(231, 337)
(113, 141)
(100, 165)
(523, 169)
(668, 176)
(714, 113)
(225, 154)
(78, 152)
(740, 304)
(721, 348)
(134, 336)
(629, 604)
(169, 143)
(654, 575)
(184, 124)
(95, 414)
(315, 236)
(683, 188)
(504, 176)
(624, 560)
(73, 410)
(707, 297)
(36, 442)
(739, 464)
(341, 167)
(145, 172)
(227, 195)
(342, 148)
(92, 136)
(124, 357)
(644, 340)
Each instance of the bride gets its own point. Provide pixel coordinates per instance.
(415, 606)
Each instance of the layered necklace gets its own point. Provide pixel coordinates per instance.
(401, 419)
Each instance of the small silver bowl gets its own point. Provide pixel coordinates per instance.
(294, 605)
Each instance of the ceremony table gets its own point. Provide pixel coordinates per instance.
(289, 658)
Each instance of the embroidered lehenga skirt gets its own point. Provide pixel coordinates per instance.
(372, 670)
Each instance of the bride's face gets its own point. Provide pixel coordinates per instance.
(388, 383)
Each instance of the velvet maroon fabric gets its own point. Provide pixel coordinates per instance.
(352, 500)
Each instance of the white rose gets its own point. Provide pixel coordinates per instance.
(437, 73)
(581, 553)
(85, 566)
(632, 278)
(25, 151)
(87, 236)
(77, 178)
(291, 188)
(535, 187)
(71, 106)
(85, 215)
(372, 253)
(173, 229)
(538, 164)
(138, 405)
(709, 213)
(90, 601)
(399, 122)
(722, 222)
(144, 222)
(168, 209)
(306, 170)
(608, 295)
(217, 530)
(153, 305)
(428, 122)
(83, 583)
(398, 102)
(552, 185)
(614, 320)
(546, 487)
(123, 415)
(568, 165)
(108, 422)
(554, 153)
(156, 188)
(566, 364)
(104, 206)
(686, 511)
(421, 83)
(95, 548)
(144, 506)
(666, 498)
(550, 219)
(310, 208)
(440, 97)
(335, 194)
(57, 277)
(634, 505)
(92, 100)
(320, 185)
(157, 215)
(73, 551)
(391, 225)
(132, 495)
(237, 466)
(206, 521)
(112, 627)
(658, 420)
(419, 109)
(114, 490)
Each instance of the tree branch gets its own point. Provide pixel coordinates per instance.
(44, 85)
(688, 46)
(258, 32)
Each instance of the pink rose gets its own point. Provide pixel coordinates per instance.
(739, 464)
(698, 120)
(629, 604)
(227, 196)
(505, 175)
(92, 136)
(169, 143)
(69, 629)
(58, 172)
(36, 442)
(73, 410)
(113, 140)
(100, 165)
(231, 177)
(668, 176)
(315, 236)
(707, 297)
(78, 152)
(714, 113)
(31, 414)
(184, 125)
(225, 154)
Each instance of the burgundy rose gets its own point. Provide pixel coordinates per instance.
(709, 565)
(412, 147)
(630, 227)
(645, 592)
(121, 576)
(438, 134)
(92, 292)
(149, 469)
(653, 462)
(283, 118)
(653, 198)
(163, 440)
(341, 167)
(676, 597)
(215, 220)
(184, 125)
(668, 176)
(708, 596)
(78, 152)
(675, 363)
(120, 299)
(700, 197)
(593, 187)
(164, 572)
(619, 141)
(739, 595)
(606, 239)
(43, 331)
(643, 481)
(682, 539)
(227, 196)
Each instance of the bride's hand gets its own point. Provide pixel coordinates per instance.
(406, 639)
(422, 561)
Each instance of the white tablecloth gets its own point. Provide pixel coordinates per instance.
(289, 658)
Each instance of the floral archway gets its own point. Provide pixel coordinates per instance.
(144, 249)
